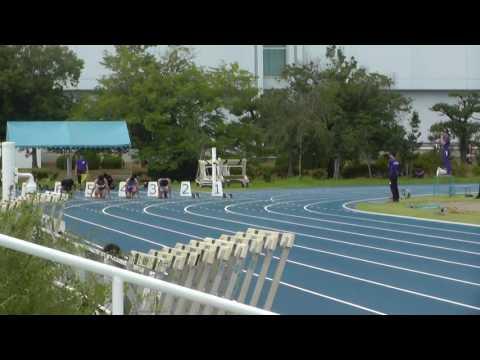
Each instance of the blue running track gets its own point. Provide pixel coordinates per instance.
(343, 262)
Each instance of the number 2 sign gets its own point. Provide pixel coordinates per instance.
(185, 189)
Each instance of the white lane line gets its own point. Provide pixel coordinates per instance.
(145, 210)
(300, 264)
(335, 241)
(92, 202)
(321, 269)
(395, 288)
(198, 237)
(326, 296)
(350, 209)
(114, 230)
(375, 282)
(359, 218)
(379, 283)
(267, 209)
(104, 211)
(389, 266)
(271, 219)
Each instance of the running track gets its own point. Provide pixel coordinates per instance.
(342, 263)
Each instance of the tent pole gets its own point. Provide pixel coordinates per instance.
(69, 164)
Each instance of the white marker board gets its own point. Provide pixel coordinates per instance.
(186, 189)
(217, 189)
(122, 189)
(89, 186)
(58, 187)
(152, 189)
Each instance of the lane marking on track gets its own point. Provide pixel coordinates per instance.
(359, 218)
(276, 258)
(227, 209)
(335, 241)
(113, 230)
(145, 210)
(456, 303)
(267, 209)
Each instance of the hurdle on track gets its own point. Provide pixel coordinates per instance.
(223, 267)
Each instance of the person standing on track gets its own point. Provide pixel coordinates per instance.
(445, 151)
(393, 174)
(82, 168)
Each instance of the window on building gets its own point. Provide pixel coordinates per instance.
(274, 60)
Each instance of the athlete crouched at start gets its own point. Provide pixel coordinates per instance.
(110, 184)
(67, 185)
(131, 188)
(100, 189)
(164, 189)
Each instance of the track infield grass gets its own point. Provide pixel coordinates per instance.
(459, 208)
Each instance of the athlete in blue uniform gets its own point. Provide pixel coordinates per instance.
(393, 174)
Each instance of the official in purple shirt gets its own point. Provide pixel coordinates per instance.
(393, 174)
(445, 141)
(82, 168)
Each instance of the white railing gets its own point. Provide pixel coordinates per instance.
(120, 276)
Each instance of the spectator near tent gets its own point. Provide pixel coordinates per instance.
(82, 169)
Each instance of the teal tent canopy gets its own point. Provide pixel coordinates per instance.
(69, 135)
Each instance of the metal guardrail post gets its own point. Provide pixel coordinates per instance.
(117, 296)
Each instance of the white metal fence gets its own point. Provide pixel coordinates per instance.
(121, 276)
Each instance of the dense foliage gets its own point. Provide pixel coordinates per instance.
(334, 118)
(29, 284)
(32, 83)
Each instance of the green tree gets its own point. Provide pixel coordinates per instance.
(461, 122)
(367, 120)
(175, 110)
(32, 83)
(412, 143)
(353, 111)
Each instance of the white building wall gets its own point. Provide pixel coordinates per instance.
(422, 102)
(426, 73)
(24, 162)
(415, 67)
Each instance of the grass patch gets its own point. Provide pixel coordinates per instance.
(309, 182)
(428, 207)
(276, 183)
